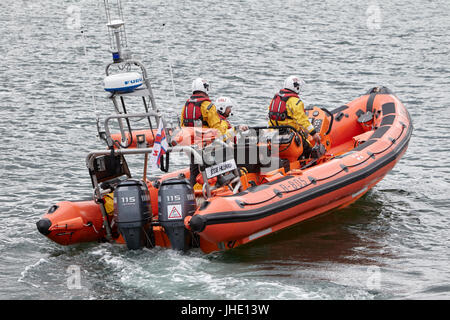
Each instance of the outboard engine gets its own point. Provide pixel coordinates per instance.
(176, 200)
(132, 213)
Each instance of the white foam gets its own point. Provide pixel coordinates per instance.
(24, 273)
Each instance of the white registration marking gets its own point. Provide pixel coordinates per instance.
(260, 234)
(359, 192)
(220, 168)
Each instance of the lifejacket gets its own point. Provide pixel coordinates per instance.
(277, 109)
(192, 110)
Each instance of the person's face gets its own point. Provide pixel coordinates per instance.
(227, 111)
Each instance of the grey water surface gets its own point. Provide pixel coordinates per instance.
(391, 244)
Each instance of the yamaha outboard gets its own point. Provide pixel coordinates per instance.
(132, 212)
(176, 200)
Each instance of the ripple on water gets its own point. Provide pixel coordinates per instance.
(398, 231)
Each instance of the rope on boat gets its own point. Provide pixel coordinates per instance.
(90, 224)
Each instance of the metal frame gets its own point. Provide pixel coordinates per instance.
(119, 117)
(98, 194)
(116, 30)
(145, 91)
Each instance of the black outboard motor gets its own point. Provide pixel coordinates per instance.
(176, 201)
(132, 213)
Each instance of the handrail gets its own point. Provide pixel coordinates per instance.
(147, 87)
(129, 61)
(93, 154)
(109, 140)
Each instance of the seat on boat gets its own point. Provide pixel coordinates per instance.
(289, 145)
(109, 170)
(256, 159)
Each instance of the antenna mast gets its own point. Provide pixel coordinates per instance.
(116, 31)
(124, 62)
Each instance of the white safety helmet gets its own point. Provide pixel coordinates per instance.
(200, 84)
(294, 83)
(223, 102)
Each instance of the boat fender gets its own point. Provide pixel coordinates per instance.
(197, 223)
(43, 226)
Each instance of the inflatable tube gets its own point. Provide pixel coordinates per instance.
(363, 141)
(70, 222)
(361, 158)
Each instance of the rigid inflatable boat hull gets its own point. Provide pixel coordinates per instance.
(246, 216)
(363, 150)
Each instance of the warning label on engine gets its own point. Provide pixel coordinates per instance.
(175, 212)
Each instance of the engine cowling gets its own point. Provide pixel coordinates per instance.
(132, 213)
(176, 201)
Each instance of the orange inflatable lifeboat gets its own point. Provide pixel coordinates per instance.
(263, 183)
(366, 138)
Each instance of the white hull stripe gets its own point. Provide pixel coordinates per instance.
(359, 192)
(260, 234)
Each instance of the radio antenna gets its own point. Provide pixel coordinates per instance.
(83, 40)
(169, 61)
(116, 31)
(170, 68)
